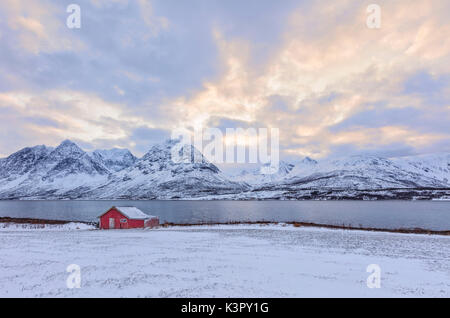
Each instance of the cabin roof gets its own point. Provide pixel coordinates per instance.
(131, 212)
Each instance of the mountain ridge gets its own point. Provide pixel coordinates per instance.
(69, 172)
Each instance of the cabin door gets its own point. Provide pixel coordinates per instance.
(111, 223)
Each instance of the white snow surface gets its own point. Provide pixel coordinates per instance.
(223, 261)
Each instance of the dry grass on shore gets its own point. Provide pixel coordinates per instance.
(295, 224)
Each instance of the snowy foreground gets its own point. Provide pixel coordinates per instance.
(221, 261)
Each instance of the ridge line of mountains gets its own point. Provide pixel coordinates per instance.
(68, 172)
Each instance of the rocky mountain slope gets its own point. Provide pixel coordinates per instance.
(114, 159)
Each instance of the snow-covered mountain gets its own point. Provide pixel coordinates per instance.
(303, 167)
(41, 172)
(357, 177)
(258, 176)
(114, 159)
(369, 172)
(435, 166)
(157, 176)
(22, 161)
(68, 172)
(69, 159)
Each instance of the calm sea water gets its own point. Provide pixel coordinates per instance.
(431, 215)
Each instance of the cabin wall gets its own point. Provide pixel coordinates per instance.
(136, 224)
(104, 220)
(117, 216)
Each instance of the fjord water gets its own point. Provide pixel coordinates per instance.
(430, 215)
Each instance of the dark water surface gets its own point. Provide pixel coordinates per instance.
(430, 215)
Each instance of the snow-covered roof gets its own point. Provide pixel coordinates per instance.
(133, 213)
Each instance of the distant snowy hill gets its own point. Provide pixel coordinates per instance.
(363, 172)
(303, 167)
(435, 166)
(362, 177)
(258, 177)
(68, 172)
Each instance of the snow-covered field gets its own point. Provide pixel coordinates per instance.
(222, 261)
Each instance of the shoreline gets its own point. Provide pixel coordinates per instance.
(318, 225)
(246, 199)
(294, 224)
(7, 219)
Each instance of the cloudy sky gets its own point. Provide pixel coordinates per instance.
(136, 69)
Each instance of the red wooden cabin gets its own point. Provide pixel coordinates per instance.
(127, 218)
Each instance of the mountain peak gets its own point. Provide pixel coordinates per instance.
(308, 160)
(67, 143)
(67, 149)
(187, 153)
(23, 160)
